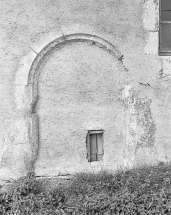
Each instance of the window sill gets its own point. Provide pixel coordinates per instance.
(165, 54)
(96, 163)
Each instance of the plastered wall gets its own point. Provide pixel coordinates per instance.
(132, 105)
(79, 90)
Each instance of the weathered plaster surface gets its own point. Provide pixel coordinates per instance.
(152, 43)
(137, 126)
(15, 150)
(79, 88)
(151, 15)
(161, 102)
(140, 125)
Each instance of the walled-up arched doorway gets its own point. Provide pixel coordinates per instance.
(75, 84)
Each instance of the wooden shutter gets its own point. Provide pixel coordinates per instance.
(88, 147)
(93, 147)
(99, 138)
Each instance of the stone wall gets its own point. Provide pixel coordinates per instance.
(124, 45)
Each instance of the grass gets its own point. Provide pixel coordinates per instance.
(139, 191)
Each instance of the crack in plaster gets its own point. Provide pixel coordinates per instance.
(34, 51)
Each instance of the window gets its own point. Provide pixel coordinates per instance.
(95, 145)
(165, 28)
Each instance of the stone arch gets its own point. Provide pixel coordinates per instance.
(34, 76)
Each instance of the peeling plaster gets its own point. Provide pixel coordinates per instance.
(16, 149)
(140, 125)
(145, 123)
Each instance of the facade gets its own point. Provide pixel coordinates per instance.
(83, 87)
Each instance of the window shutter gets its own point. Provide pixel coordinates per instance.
(165, 8)
(93, 147)
(99, 146)
(88, 147)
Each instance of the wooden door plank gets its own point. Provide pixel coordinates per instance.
(99, 146)
(93, 147)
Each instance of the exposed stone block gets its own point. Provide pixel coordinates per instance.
(152, 42)
(151, 15)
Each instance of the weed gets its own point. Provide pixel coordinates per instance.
(140, 191)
